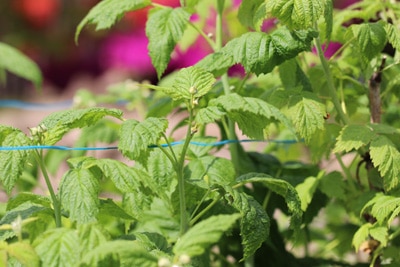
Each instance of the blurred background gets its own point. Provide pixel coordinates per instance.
(44, 30)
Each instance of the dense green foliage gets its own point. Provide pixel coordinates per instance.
(182, 205)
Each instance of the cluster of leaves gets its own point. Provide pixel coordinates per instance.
(177, 202)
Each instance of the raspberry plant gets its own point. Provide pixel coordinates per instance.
(181, 205)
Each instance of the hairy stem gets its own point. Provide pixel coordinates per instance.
(54, 199)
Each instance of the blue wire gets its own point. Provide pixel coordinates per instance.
(218, 143)
(9, 103)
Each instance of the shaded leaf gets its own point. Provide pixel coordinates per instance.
(282, 188)
(361, 235)
(127, 252)
(204, 234)
(254, 224)
(24, 254)
(247, 11)
(208, 115)
(209, 171)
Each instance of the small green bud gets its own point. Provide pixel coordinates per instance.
(192, 90)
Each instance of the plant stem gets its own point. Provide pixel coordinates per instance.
(329, 81)
(206, 209)
(55, 200)
(181, 179)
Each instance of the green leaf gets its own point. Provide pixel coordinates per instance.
(192, 78)
(361, 235)
(12, 162)
(109, 208)
(386, 158)
(379, 233)
(17, 63)
(370, 38)
(293, 77)
(333, 185)
(164, 28)
(107, 12)
(136, 137)
(23, 197)
(91, 236)
(393, 35)
(308, 114)
(23, 253)
(306, 191)
(328, 17)
(383, 207)
(261, 53)
(296, 14)
(152, 241)
(125, 178)
(59, 123)
(161, 171)
(282, 188)
(208, 115)
(353, 137)
(79, 190)
(251, 114)
(58, 247)
(254, 224)
(209, 171)
(204, 234)
(127, 252)
(247, 11)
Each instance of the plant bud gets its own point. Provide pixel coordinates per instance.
(192, 90)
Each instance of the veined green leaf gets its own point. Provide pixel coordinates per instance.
(259, 52)
(333, 185)
(249, 13)
(59, 123)
(164, 28)
(204, 234)
(361, 235)
(208, 114)
(107, 12)
(58, 248)
(386, 158)
(125, 178)
(306, 191)
(23, 197)
(251, 114)
(127, 252)
(393, 35)
(79, 190)
(91, 236)
(282, 188)
(369, 37)
(353, 137)
(254, 224)
(17, 63)
(109, 208)
(209, 171)
(379, 233)
(382, 207)
(192, 79)
(136, 137)
(25, 211)
(308, 114)
(296, 14)
(23, 253)
(161, 171)
(13, 162)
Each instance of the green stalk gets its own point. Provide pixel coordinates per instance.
(205, 210)
(54, 199)
(181, 179)
(330, 84)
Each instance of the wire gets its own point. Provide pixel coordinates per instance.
(10, 103)
(204, 144)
